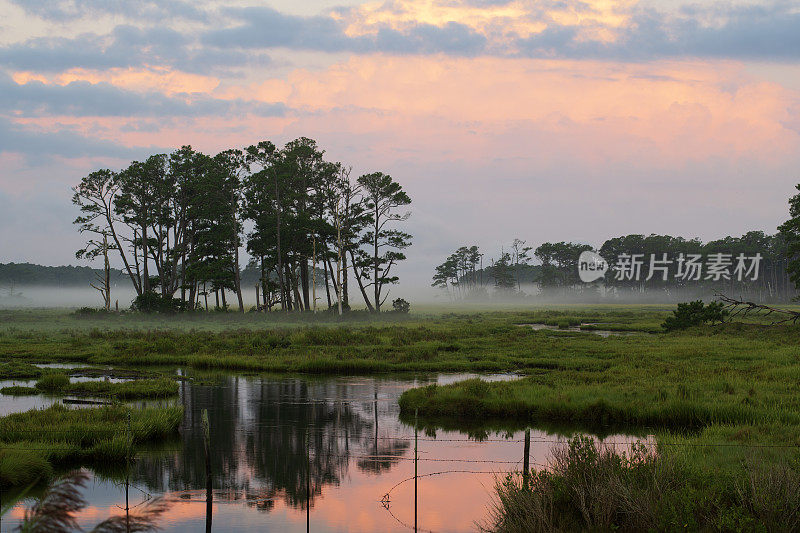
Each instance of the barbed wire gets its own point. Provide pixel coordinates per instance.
(649, 441)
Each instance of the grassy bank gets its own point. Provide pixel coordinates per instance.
(34, 443)
(488, 341)
(57, 382)
(734, 373)
(149, 388)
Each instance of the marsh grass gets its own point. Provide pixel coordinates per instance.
(58, 382)
(19, 390)
(53, 382)
(710, 394)
(590, 487)
(59, 437)
(17, 370)
(126, 390)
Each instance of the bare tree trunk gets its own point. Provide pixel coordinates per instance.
(327, 287)
(376, 285)
(345, 297)
(104, 279)
(287, 294)
(284, 293)
(339, 255)
(264, 284)
(304, 283)
(140, 289)
(146, 280)
(360, 284)
(237, 279)
(195, 285)
(110, 222)
(296, 288)
(314, 272)
(333, 278)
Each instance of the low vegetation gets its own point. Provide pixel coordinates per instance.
(722, 400)
(125, 390)
(34, 443)
(20, 390)
(485, 341)
(17, 370)
(593, 488)
(695, 313)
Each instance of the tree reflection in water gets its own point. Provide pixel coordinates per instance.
(259, 429)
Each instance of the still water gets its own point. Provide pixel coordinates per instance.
(342, 437)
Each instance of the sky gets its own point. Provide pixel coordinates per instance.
(547, 120)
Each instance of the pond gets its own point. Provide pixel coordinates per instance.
(592, 331)
(342, 436)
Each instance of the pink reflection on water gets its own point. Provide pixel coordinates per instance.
(455, 486)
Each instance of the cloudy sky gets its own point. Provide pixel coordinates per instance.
(544, 120)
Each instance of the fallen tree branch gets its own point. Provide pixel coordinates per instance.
(743, 308)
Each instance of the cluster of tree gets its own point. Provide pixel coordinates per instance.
(556, 273)
(176, 221)
(771, 281)
(463, 275)
(559, 264)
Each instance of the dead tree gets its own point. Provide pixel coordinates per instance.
(743, 308)
(104, 278)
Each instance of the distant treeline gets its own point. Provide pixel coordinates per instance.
(755, 265)
(14, 275)
(769, 279)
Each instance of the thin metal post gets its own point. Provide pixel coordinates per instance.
(128, 474)
(314, 271)
(416, 457)
(308, 484)
(526, 461)
(209, 488)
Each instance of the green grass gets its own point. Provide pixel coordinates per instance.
(35, 442)
(17, 390)
(17, 370)
(53, 382)
(728, 374)
(126, 390)
(595, 488)
(58, 382)
(488, 341)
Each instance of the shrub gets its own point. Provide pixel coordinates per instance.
(401, 306)
(152, 302)
(694, 314)
(588, 487)
(90, 311)
(52, 382)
